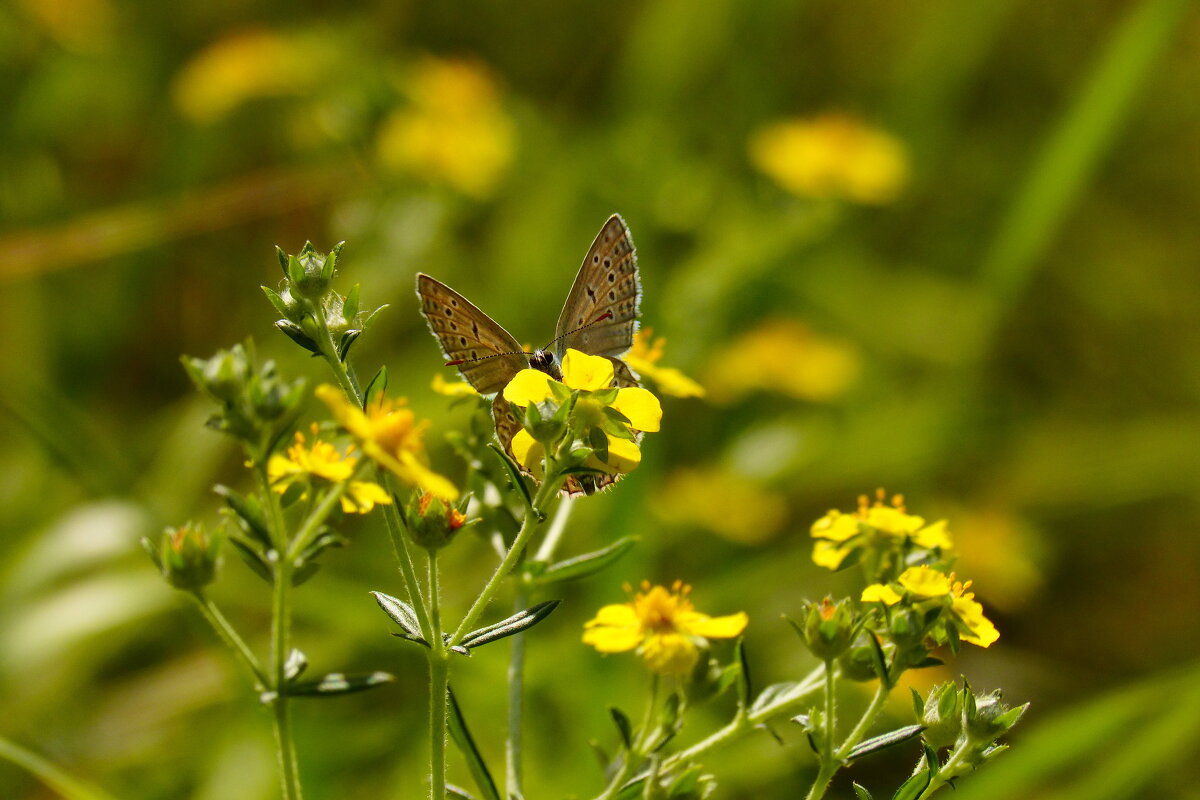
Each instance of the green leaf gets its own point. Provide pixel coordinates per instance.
(458, 792)
(304, 572)
(323, 541)
(743, 675)
(254, 558)
(918, 703)
(514, 474)
(598, 440)
(348, 339)
(376, 386)
(912, 788)
(351, 303)
(522, 620)
(400, 612)
(879, 659)
(249, 514)
(861, 793)
(466, 745)
(623, 726)
(586, 564)
(782, 693)
(883, 740)
(337, 683)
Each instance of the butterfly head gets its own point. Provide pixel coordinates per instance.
(545, 361)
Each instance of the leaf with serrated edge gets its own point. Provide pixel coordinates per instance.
(518, 622)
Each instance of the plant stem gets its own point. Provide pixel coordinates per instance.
(221, 625)
(558, 525)
(336, 365)
(408, 570)
(529, 526)
(864, 722)
(516, 695)
(829, 764)
(439, 681)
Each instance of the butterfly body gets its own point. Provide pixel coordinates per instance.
(599, 318)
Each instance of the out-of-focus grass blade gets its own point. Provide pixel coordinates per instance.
(1122, 739)
(1071, 154)
(50, 774)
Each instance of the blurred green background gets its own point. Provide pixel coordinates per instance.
(947, 248)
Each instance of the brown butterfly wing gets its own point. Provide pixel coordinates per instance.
(607, 282)
(467, 334)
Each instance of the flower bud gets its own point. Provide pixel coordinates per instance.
(858, 662)
(221, 376)
(310, 273)
(187, 557)
(432, 522)
(987, 718)
(943, 718)
(545, 422)
(828, 628)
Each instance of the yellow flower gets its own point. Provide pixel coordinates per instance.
(643, 359)
(389, 435)
(588, 375)
(782, 356)
(323, 460)
(831, 156)
(873, 524)
(662, 626)
(454, 131)
(723, 502)
(452, 388)
(924, 583)
(246, 65)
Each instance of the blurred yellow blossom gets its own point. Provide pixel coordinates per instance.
(833, 155)
(322, 460)
(452, 388)
(924, 583)
(723, 502)
(86, 26)
(246, 65)
(643, 359)
(873, 525)
(454, 129)
(782, 355)
(663, 626)
(389, 435)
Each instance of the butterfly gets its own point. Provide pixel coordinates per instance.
(599, 317)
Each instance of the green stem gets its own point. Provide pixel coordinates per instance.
(948, 772)
(865, 722)
(531, 523)
(336, 365)
(221, 625)
(408, 570)
(829, 763)
(516, 693)
(633, 756)
(439, 681)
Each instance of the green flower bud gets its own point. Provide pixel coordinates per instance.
(310, 273)
(943, 716)
(828, 628)
(221, 376)
(858, 663)
(432, 522)
(187, 556)
(987, 718)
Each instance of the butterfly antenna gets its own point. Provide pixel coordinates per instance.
(601, 318)
(456, 362)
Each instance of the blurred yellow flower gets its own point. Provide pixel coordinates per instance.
(923, 583)
(834, 155)
(452, 388)
(782, 355)
(247, 65)
(85, 26)
(454, 130)
(723, 502)
(873, 524)
(663, 626)
(643, 359)
(592, 377)
(322, 460)
(389, 435)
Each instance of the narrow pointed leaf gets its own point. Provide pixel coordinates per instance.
(586, 564)
(295, 665)
(745, 691)
(458, 792)
(466, 745)
(914, 787)
(254, 559)
(514, 474)
(876, 743)
(518, 622)
(623, 726)
(861, 793)
(376, 387)
(400, 612)
(337, 683)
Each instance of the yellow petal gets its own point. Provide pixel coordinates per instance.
(933, 536)
(641, 407)
(670, 653)
(528, 451)
(589, 373)
(880, 593)
(348, 415)
(362, 496)
(452, 388)
(835, 526)
(279, 467)
(528, 386)
(714, 627)
(979, 629)
(614, 629)
(829, 554)
(623, 456)
(924, 581)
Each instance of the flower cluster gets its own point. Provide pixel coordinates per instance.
(876, 533)
(582, 422)
(322, 460)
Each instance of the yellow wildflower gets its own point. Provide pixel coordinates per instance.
(663, 626)
(323, 460)
(389, 435)
(85, 26)
(873, 524)
(924, 583)
(454, 130)
(973, 626)
(831, 156)
(723, 502)
(783, 356)
(588, 375)
(643, 359)
(246, 65)
(452, 388)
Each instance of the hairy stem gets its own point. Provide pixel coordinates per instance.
(221, 625)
